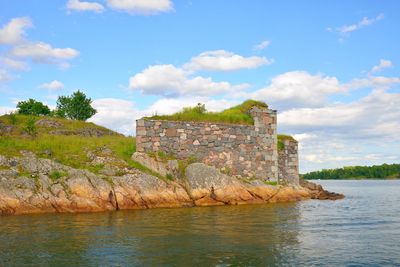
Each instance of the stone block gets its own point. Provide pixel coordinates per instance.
(171, 132)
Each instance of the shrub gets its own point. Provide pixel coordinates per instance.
(12, 117)
(30, 127)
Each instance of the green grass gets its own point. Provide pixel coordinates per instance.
(95, 168)
(56, 175)
(20, 121)
(274, 183)
(70, 150)
(235, 115)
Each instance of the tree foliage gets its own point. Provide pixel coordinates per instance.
(76, 107)
(357, 172)
(32, 107)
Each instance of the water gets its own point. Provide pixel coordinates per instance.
(361, 230)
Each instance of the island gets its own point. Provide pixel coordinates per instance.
(191, 158)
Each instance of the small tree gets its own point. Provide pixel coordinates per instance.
(76, 107)
(200, 108)
(32, 107)
(30, 127)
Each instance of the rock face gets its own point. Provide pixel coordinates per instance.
(164, 168)
(87, 132)
(29, 184)
(5, 130)
(317, 192)
(49, 123)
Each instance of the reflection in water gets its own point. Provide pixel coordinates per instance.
(362, 229)
(252, 234)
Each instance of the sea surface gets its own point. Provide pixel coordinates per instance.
(361, 230)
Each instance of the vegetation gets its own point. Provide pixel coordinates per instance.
(56, 175)
(76, 107)
(70, 150)
(273, 183)
(12, 118)
(236, 115)
(32, 107)
(282, 138)
(384, 171)
(30, 127)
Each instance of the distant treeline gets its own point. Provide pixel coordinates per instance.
(384, 171)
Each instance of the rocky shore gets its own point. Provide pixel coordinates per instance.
(29, 184)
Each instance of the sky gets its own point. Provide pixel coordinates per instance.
(330, 68)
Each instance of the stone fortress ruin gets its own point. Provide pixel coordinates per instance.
(244, 151)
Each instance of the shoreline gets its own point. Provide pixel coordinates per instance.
(27, 187)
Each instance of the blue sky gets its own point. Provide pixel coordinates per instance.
(329, 68)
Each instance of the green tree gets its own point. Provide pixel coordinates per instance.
(76, 107)
(200, 108)
(32, 107)
(357, 172)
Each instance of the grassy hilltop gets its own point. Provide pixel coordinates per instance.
(66, 141)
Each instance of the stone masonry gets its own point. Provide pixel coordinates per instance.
(288, 163)
(249, 151)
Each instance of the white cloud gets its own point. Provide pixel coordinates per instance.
(121, 115)
(221, 60)
(377, 82)
(383, 64)
(13, 34)
(346, 29)
(144, 7)
(262, 45)
(374, 116)
(117, 114)
(168, 80)
(41, 52)
(14, 64)
(298, 89)
(78, 5)
(4, 76)
(14, 31)
(6, 110)
(53, 85)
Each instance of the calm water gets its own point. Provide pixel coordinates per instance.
(361, 230)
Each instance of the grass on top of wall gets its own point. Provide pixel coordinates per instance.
(282, 138)
(235, 115)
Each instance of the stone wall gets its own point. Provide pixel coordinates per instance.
(240, 150)
(288, 163)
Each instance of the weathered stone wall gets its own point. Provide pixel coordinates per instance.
(288, 163)
(243, 150)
